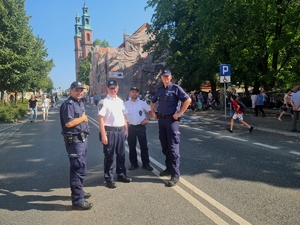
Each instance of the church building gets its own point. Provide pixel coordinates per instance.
(83, 39)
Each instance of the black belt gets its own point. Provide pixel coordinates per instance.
(163, 116)
(77, 137)
(135, 125)
(108, 128)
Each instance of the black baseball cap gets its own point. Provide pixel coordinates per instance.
(233, 96)
(166, 72)
(112, 84)
(134, 89)
(77, 84)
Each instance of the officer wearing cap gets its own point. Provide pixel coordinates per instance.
(113, 131)
(137, 121)
(170, 96)
(74, 124)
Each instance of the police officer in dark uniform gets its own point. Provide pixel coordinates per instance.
(75, 130)
(170, 98)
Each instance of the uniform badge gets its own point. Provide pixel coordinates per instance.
(140, 113)
(100, 106)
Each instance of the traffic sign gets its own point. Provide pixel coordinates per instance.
(225, 72)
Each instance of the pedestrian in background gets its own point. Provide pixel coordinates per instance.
(238, 114)
(259, 103)
(137, 121)
(286, 104)
(45, 107)
(96, 98)
(253, 97)
(296, 107)
(32, 107)
(74, 124)
(113, 131)
(170, 96)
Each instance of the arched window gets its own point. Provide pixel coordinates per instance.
(88, 37)
(87, 21)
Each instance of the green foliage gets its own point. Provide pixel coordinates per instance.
(23, 63)
(100, 43)
(260, 39)
(84, 70)
(12, 112)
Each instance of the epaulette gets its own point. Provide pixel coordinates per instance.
(69, 101)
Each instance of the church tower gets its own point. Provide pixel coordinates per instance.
(86, 32)
(83, 39)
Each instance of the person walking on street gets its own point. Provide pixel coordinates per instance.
(286, 104)
(253, 97)
(74, 124)
(238, 114)
(137, 121)
(113, 131)
(32, 107)
(96, 99)
(259, 103)
(45, 107)
(296, 107)
(170, 96)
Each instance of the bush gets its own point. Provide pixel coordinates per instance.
(12, 112)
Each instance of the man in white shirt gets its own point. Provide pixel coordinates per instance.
(113, 131)
(137, 121)
(295, 102)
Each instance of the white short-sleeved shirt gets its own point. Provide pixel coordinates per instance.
(113, 110)
(296, 99)
(136, 111)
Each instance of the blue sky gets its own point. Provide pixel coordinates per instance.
(54, 22)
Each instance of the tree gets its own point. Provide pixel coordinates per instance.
(260, 39)
(23, 63)
(102, 44)
(84, 69)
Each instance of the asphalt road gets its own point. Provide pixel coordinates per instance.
(237, 178)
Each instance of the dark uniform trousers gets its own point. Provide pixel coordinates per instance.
(116, 144)
(169, 137)
(77, 152)
(137, 132)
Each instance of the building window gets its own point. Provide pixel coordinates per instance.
(87, 21)
(88, 37)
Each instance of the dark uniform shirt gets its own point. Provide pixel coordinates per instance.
(70, 110)
(169, 99)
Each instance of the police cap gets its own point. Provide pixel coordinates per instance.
(112, 84)
(166, 72)
(134, 89)
(77, 84)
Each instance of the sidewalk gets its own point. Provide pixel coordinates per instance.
(269, 123)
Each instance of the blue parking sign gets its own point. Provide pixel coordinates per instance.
(225, 70)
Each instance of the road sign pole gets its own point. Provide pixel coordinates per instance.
(225, 105)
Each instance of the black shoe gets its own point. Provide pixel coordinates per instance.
(166, 172)
(31, 121)
(84, 206)
(111, 184)
(294, 130)
(172, 182)
(124, 179)
(251, 129)
(87, 195)
(147, 167)
(230, 131)
(133, 167)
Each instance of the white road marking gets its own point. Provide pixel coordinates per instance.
(264, 145)
(294, 152)
(235, 138)
(206, 211)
